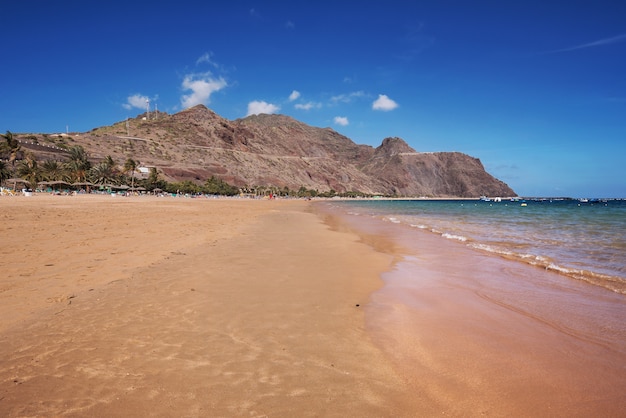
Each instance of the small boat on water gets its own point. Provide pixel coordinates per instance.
(488, 199)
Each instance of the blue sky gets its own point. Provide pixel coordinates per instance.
(535, 89)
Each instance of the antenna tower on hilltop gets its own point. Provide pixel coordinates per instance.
(148, 109)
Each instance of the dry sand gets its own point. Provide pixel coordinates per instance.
(186, 307)
(198, 307)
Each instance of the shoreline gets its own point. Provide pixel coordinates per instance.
(473, 333)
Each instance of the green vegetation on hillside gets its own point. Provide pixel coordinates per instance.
(78, 172)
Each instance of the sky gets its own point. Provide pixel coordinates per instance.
(535, 89)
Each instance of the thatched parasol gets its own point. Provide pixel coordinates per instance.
(17, 181)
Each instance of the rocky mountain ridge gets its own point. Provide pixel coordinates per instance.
(279, 151)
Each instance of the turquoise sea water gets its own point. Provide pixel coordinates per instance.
(582, 240)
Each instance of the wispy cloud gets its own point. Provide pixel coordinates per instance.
(341, 120)
(294, 95)
(258, 106)
(308, 106)
(384, 103)
(207, 58)
(601, 42)
(202, 86)
(348, 97)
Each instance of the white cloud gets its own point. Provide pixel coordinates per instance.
(202, 86)
(294, 95)
(384, 103)
(136, 100)
(307, 106)
(341, 120)
(258, 106)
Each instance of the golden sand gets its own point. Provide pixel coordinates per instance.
(186, 307)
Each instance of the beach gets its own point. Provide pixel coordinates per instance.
(186, 307)
(148, 306)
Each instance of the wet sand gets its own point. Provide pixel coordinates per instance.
(474, 334)
(199, 307)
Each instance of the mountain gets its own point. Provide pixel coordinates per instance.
(277, 150)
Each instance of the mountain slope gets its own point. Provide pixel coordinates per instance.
(277, 150)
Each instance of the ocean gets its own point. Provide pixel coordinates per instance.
(583, 240)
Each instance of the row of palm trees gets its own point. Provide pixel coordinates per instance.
(76, 169)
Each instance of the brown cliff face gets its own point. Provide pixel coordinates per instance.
(442, 174)
(277, 150)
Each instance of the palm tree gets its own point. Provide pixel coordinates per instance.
(12, 146)
(109, 161)
(102, 173)
(29, 170)
(53, 170)
(152, 181)
(129, 166)
(78, 164)
(5, 171)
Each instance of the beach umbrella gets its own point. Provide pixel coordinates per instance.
(56, 183)
(16, 181)
(115, 187)
(42, 184)
(107, 186)
(85, 184)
